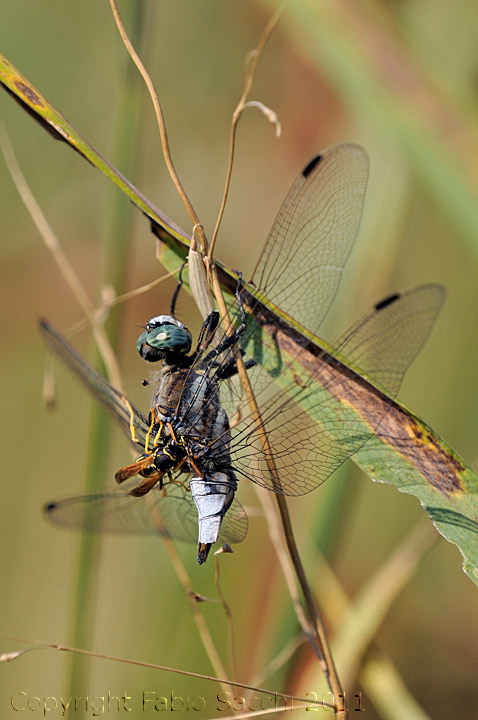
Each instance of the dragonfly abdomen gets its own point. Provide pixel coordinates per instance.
(212, 495)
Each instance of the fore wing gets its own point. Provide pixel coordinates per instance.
(118, 405)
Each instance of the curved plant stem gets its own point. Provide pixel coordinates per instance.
(8, 657)
(174, 557)
(253, 59)
(160, 120)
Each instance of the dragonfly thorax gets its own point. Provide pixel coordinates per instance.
(164, 337)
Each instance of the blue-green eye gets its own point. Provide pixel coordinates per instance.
(162, 337)
(142, 339)
(169, 337)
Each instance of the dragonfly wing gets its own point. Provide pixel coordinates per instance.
(115, 402)
(178, 516)
(234, 525)
(321, 422)
(384, 343)
(305, 447)
(116, 512)
(301, 265)
(108, 512)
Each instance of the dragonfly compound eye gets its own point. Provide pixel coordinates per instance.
(162, 338)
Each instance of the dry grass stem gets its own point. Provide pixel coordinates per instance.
(107, 303)
(319, 631)
(228, 611)
(156, 666)
(71, 278)
(276, 535)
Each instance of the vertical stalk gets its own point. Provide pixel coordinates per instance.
(114, 262)
(317, 625)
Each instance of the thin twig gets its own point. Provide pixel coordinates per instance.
(253, 59)
(258, 713)
(106, 305)
(315, 619)
(160, 120)
(276, 536)
(227, 610)
(320, 634)
(66, 269)
(156, 666)
(201, 626)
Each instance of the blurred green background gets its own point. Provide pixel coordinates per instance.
(398, 77)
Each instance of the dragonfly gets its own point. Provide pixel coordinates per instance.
(201, 435)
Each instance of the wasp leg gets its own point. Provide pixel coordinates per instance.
(179, 482)
(158, 434)
(153, 423)
(132, 427)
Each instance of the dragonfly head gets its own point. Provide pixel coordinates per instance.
(163, 335)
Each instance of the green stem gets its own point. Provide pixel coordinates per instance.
(114, 263)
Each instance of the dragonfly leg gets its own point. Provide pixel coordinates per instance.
(208, 329)
(229, 369)
(176, 292)
(230, 340)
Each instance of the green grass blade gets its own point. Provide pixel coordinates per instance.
(36, 105)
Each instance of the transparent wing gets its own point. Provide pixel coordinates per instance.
(115, 402)
(171, 514)
(339, 410)
(303, 259)
(384, 343)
